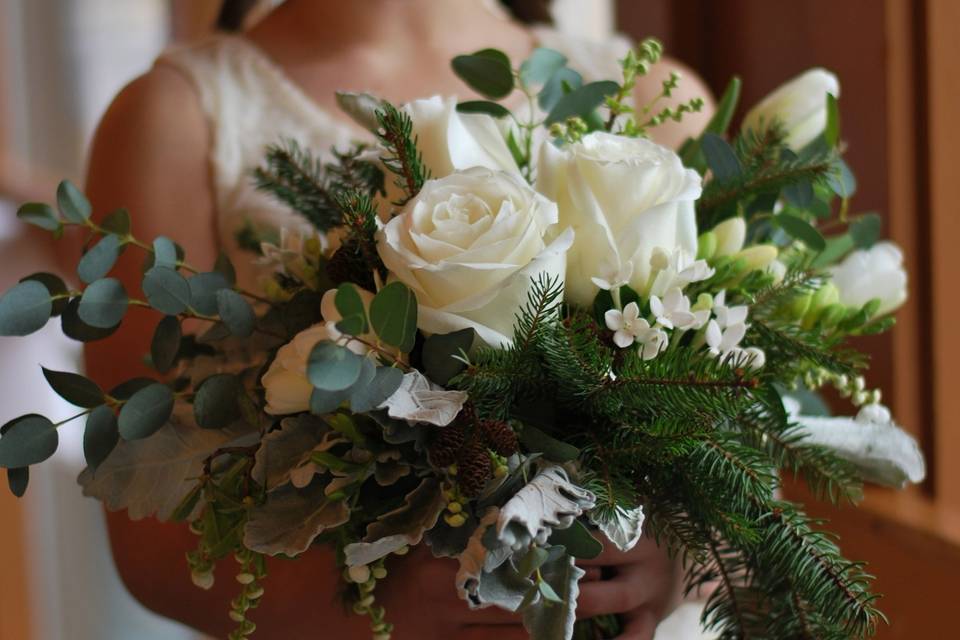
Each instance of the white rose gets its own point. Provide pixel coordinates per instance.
(800, 106)
(871, 273)
(624, 197)
(469, 245)
(287, 387)
(450, 141)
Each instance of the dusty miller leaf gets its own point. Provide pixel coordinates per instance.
(547, 502)
(283, 450)
(623, 527)
(556, 620)
(291, 518)
(152, 475)
(419, 400)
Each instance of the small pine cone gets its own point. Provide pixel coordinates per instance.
(474, 468)
(499, 436)
(446, 445)
(348, 265)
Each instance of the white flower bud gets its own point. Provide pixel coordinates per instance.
(359, 573)
(731, 234)
(800, 106)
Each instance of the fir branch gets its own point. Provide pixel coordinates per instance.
(404, 160)
(296, 178)
(790, 350)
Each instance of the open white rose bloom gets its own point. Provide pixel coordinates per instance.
(515, 338)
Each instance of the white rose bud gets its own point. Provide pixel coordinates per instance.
(287, 387)
(470, 245)
(871, 273)
(624, 197)
(800, 106)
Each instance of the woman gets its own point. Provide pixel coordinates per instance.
(176, 148)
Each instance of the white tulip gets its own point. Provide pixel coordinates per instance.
(624, 198)
(872, 273)
(800, 106)
(470, 245)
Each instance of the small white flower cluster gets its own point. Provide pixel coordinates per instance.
(725, 325)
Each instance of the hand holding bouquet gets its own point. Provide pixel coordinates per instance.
(511, 335)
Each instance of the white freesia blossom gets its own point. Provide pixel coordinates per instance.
(800, 106)
(470, 245)
(612, 277)
(675, 270)
(287, 387)
(728, 316)
(673, 311)
(624, 197)
(653, 342)
(876, 272)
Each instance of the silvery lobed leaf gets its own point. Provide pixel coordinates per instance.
(882, 451)
(419, 400)
(390, 468)
(623, 527)
(291, 518)
(361, 107)
(550, 500)
(151, 476)
(555, 622)
(283, 450)
(404, 526)
(480, 580)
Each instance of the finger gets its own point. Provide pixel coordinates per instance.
(463, 615)
(591, 574)
(620, 595)
(640, 625)
(486, 632)
(645, 548)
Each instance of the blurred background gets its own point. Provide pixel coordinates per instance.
(61, 62)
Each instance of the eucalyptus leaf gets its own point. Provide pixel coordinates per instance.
(332, 367)
(56, 287)
(835, 248)
(25, 308)
(17, 479)
(564, 81)
(236, 313)
(537, 441)
(203, 291)
(75, 328)
(393, 315)
(40, 215)
(442, 353)
(721, 159)
(166, 290)
(146, 411)
(73, 205)
(117, 222)
(488, 72)
(166, 343)
(842, 180)
(97, 262)
(577, 540)
(493, 109)
(224, 266)
(800, 229)
(540, 66)
(865, 231)
(103, 304)
(74, 388)
(164, 252)
(582, 101)
(352, 311)
(27, 440)
(126, 389)
(368, 397)
(215, 404)
(323, 401)
(800, 194)
(100, 435)
(532, 560)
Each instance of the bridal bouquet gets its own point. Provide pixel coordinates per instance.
(513, 335)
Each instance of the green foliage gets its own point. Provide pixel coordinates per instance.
(100, 435)
(73, 205)
(103, 304)
(166, 290)
(216, 403)
(74, 388)
(25, 308)
(99, 260)
(331, 367)
(236, 312)
(27, 440)
(443, 354)
(393, 316)
(145, 411)
(402, 158)
(487, 72)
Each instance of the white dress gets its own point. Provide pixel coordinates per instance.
(250, 102)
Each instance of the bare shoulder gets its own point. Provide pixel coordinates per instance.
(151, 155)
(691, 86)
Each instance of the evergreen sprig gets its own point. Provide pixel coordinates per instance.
(402, 158)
